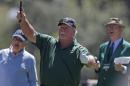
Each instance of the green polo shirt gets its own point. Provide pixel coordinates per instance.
(59, 67)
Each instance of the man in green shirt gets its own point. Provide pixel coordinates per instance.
(110, 73)
(61, 60)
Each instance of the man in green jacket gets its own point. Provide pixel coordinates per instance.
(62, 59)
(111, 74)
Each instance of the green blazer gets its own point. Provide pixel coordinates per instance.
(107, 74)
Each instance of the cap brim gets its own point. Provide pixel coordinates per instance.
(115, 24)
(20, 37)
(66, 24)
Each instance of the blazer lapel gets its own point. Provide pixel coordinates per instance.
(118, 50)
(106, 51)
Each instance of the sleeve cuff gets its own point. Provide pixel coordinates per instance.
(125, 70)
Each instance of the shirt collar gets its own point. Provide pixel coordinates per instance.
(20, 52)
(70, 46)
(116, 42)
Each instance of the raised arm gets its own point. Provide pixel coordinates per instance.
(26, 27)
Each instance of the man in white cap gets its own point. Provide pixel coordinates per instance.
(17, 66)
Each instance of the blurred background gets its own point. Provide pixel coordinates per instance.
(91, 16)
